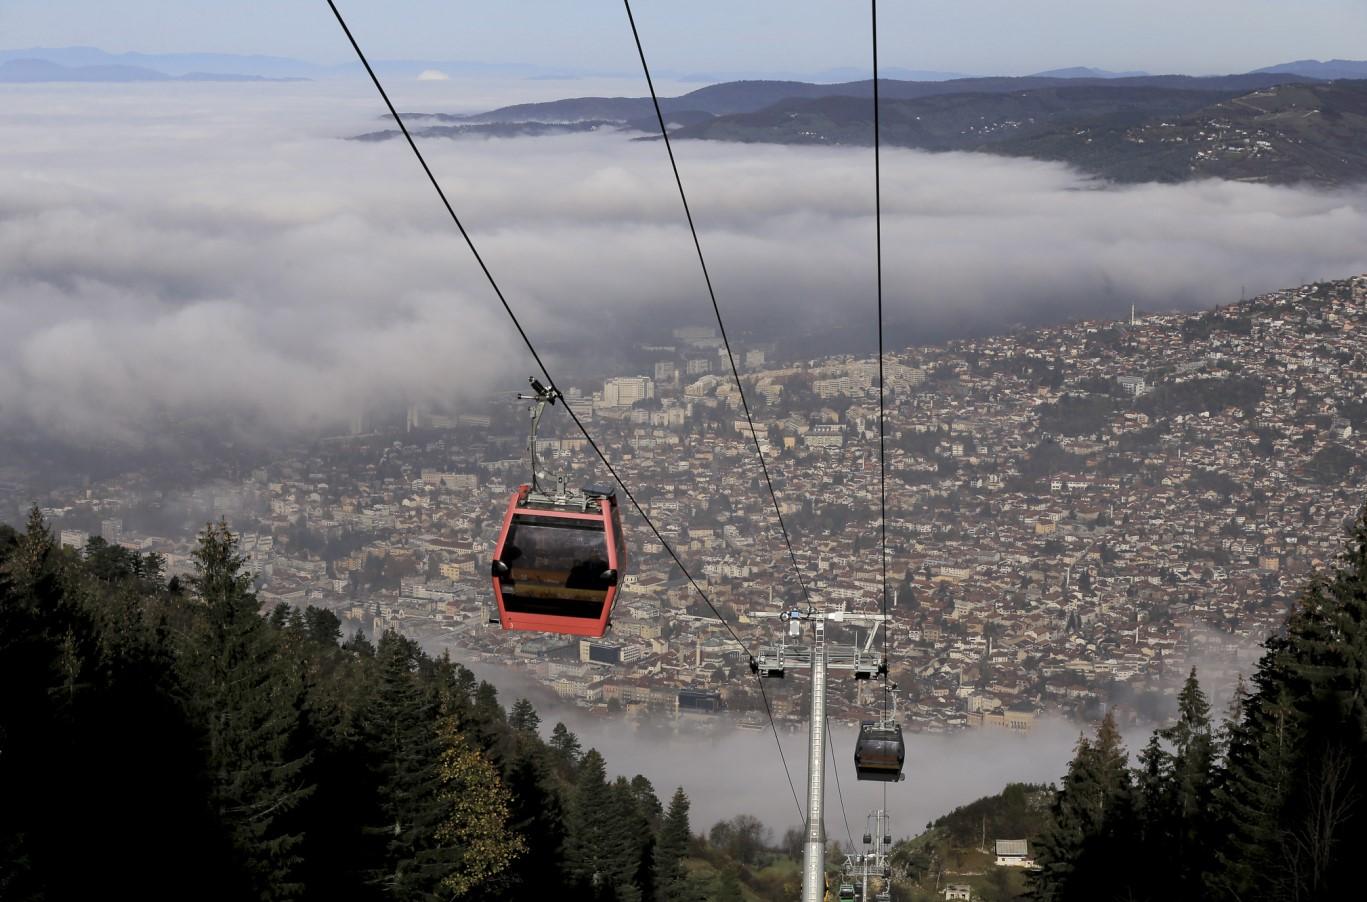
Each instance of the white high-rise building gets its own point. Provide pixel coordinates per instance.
(625, 391)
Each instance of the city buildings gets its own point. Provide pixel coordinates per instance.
(1076, 515)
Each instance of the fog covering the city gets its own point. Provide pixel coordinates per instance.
(219, 251)
(727, 771)
(736, 772)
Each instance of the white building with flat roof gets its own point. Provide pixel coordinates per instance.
(625, 391)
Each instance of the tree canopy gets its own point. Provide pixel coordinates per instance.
(178, 741)
(1267, 805)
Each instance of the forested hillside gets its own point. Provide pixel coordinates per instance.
(169, 739)
(1267, 803)
(165, 740)
(957, 847)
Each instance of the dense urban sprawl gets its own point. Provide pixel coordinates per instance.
(1076, 514)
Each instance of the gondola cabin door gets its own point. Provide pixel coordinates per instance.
(559, 562)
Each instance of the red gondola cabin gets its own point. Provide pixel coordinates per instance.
(559, 562)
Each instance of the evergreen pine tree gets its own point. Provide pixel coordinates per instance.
(484, 719)
(671, 880)
(592, 853)
(487, 708)
(285, 766)
(536, 814)
(1295, 772)
(359, 644)
(324, 627)
(1258, 772)
(647, 802)
(1326, 667)
(399, 725)
(279, 616)
(31, 565)
(340, 848)
(466, 683)
(728, 886)
(524, 717)
(1289, 797)
(1091, 829)
(87, 694)
(453, 694)
(1224, 733)
(1193, 751)
(251, 706)
(634, 847)
(566, 747)
(1153, 801)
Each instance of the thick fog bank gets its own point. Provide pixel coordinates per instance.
(221, 252)
(739, 772)
(727, 770)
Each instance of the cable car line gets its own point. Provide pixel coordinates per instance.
(878, 266)
(801, 815)
(379, 87)
(840, 793)
(711, 293)
(882, 445)
(522, 332)
(442, 194)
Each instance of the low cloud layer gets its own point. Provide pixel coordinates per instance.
(739, 772)
(727, 771)
(219, 251)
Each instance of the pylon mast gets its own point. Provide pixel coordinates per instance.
(873, 863)
(814, 851)
(773, 661)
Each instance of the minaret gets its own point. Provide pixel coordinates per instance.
(1132, 321)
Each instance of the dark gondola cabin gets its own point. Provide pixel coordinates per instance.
(879, 752)
(559, 562)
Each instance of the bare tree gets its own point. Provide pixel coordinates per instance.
(1308, 850)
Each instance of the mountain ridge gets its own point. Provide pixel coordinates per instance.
(37, 71)
(1326, 69)
(1288, 133)
(1267, 127)
(753, 95)
(1088, 72)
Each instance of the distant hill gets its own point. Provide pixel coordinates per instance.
(953, 121)
(493, 130)
(171, 64)
(1282, 134)
(23, 71)
(1326, 70)
(1263, 127)
(1311, 133)
(853, 73)
(1087, 72)
(736, 97)
(279, 67)
(31, 71)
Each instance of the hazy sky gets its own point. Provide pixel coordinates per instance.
(700, 36)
